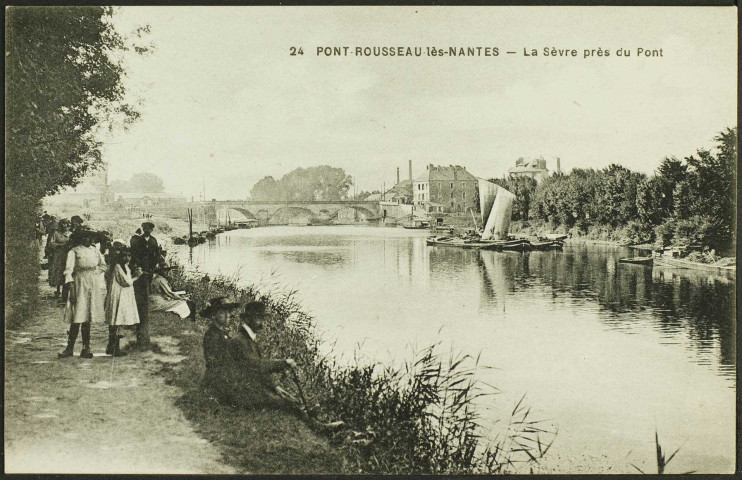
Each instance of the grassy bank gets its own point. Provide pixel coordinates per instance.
(605, 234)
(420, 418)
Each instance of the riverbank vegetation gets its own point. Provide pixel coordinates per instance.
(64, 87)
(420, 418)
(688, 201)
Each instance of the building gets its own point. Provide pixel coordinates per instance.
(144, 199)
(400, 193)
(532, 167)
(92, 191)
(445, 189)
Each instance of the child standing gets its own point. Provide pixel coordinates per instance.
(121, 306)
(85, 302)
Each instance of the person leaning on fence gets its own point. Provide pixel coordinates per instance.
(82, 272)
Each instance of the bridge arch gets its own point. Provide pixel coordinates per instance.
(286, 214)
(368, 214)
(222, 211)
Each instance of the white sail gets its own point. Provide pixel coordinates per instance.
(498, 222)
(487, 191)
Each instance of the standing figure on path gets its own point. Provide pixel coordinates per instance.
(58, 248)
(163, 299)
(85, 303)
(145, 255)
(77, 223)
(121, 306)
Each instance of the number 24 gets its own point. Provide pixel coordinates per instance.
(295, 51)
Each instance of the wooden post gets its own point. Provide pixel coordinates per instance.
(190, 223)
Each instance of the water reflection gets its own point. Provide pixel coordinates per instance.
(584, 335)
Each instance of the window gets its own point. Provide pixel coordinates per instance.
(439, 185)
(463, 184)
(451, 185)
(451, 194)
(451, 204)
(463, 194)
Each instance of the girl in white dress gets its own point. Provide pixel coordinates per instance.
(82, 273)
(121, 306)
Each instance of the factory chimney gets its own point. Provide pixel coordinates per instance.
(410, 170)
(558, 169)
(397, 175)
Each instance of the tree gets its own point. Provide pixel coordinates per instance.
(139, 182)
(64, 87)
(64, 73)
(305, 184)
(264, 190)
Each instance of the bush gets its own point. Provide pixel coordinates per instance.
(21, 256)
(636, 233)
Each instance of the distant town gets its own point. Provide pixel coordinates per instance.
(444, 190)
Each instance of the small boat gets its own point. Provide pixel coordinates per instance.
(555, 236)
(673, 262)
(547, 245)
(637, 260)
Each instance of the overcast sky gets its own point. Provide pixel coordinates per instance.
(224, 101)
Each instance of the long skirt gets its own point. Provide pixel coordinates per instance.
(158, 303)
(57, 261)
(85, 302)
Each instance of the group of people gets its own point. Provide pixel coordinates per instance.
(236, 371)
(135, 277)
(136, 282)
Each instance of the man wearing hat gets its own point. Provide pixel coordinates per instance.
(257, 388)
(145, 255)
(220, 373)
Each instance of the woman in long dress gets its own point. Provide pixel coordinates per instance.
(121, 306)
(163, 299)
(58, 248)
(82, 272)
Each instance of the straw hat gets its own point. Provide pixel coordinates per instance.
(217, 304)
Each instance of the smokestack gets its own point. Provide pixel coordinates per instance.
(397, 175)
(558, 169)
(410, 170)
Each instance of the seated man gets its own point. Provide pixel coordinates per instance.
(261, 390)
(235, 369)
(163, 299)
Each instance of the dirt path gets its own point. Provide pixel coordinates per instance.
(101, 415)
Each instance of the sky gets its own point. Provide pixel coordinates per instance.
(223, 103)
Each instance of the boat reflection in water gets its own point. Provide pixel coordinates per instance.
(606, 351)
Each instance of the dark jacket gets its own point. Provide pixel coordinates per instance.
(257, 370)
(235, 369)
(145, 252)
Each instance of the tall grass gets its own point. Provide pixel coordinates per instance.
(422, 417)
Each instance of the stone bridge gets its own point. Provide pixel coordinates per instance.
(277, 213)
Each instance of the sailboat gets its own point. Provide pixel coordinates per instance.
(496, 206)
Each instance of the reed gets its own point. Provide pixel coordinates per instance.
(421, 417)
(662, 459)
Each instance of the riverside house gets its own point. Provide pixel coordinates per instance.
(449, 189)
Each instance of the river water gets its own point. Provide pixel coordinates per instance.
(607, 353)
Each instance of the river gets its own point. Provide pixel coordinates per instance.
(607, 353)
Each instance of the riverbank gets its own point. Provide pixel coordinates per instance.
(94, 416)
(142, 413)
(418, 419)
